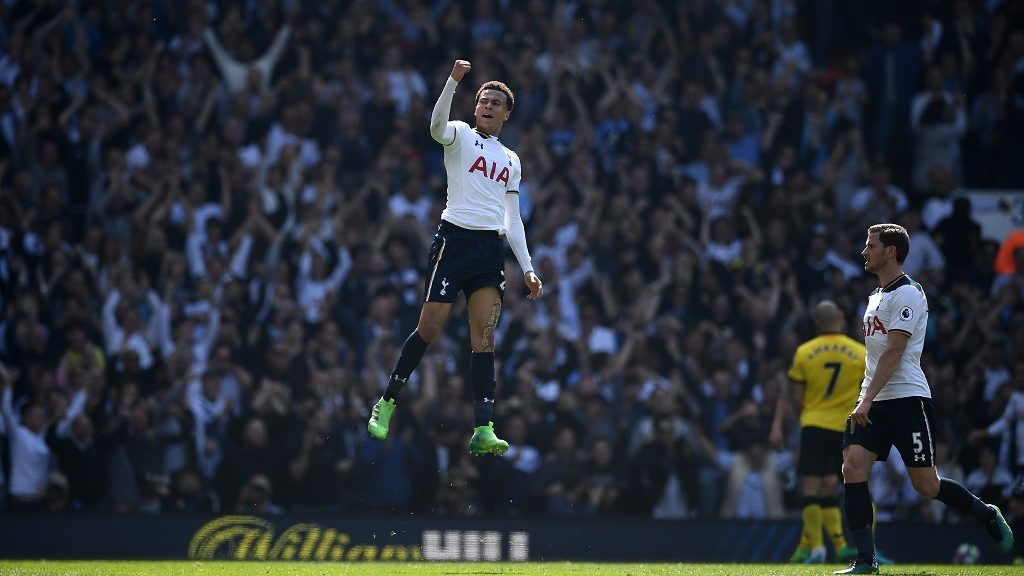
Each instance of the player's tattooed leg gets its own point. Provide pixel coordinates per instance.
(487, 337)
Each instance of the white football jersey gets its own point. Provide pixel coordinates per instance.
(901, 306)
(480, 171)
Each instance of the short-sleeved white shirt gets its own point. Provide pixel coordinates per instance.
(481, 170)
(900, 306)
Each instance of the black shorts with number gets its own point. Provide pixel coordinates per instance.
(821, 452)
(905, 423)
(463, 259)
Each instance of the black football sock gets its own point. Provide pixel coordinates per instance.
(412, 353)
(952, 494)
(859, 514)
(481, 375)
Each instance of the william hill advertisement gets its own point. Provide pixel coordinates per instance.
(424, 538)
(254, 538)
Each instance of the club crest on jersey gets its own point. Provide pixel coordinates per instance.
(906, 314)
(872, 326)
(481, 165)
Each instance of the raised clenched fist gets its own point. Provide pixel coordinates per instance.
(459, 69)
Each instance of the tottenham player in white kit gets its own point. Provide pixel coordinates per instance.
(895, 406)
(468, 254)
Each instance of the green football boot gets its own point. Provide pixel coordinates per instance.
(999, 530)
(380, 418)
(845, 554)
(859, 566)
(485, 442)
(800, 556)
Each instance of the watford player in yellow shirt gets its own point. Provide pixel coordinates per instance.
(825, 378)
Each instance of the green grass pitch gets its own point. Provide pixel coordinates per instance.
(191, 568)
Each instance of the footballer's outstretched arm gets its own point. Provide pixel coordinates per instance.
(515, 232)
(440, 129)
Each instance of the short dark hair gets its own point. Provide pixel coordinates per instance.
(500, 87)
(893, 235)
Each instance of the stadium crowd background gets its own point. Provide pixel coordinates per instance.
(215, 215)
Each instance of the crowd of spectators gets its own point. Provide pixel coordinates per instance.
(215, 214)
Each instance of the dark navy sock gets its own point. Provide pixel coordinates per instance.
(859, 514)
(952, 494)
(412, 353)
(481, 376)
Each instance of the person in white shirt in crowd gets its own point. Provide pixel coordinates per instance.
(794, 59)
(211, 405)
(753, 485)
(124, 328)
(238, 74)
(1011, 421)
(26, 436)
(315, 286)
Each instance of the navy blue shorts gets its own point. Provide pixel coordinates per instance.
(463, 260)
(821, 452)
(905, 423)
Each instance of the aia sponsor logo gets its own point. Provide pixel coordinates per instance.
(872, 326)
(490, 170)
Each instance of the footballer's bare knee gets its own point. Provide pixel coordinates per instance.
(851, 473)
(855, 465)
(432, 319)
(925, 481)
